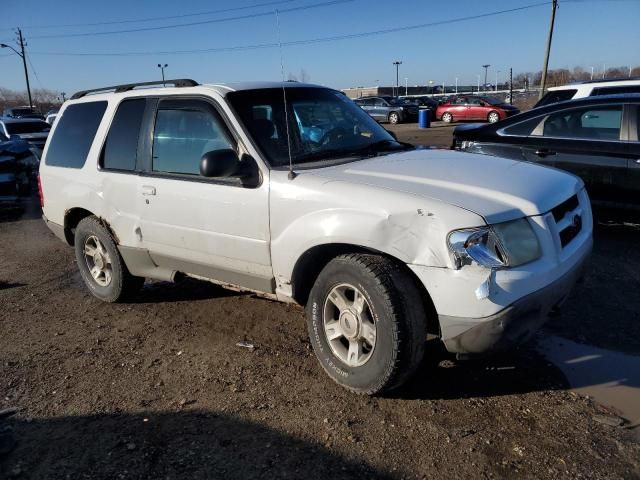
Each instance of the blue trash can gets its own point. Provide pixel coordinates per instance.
(424, 118)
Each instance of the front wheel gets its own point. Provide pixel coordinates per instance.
(367, 323)
(447, 117)
(101, 266)
(394, 118)
(493, 117)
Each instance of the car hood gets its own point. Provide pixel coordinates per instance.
(495, 188)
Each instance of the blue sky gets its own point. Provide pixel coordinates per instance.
(588, 33)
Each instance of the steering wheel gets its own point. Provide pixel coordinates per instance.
(333, 135)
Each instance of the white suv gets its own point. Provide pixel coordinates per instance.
(589, 88)
(293, 191)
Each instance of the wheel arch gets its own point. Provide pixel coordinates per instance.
(312, 262)
(73, 216)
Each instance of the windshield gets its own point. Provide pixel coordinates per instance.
(323, 125)
(18, 128)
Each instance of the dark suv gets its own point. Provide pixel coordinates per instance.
(596, 138)
(388, 109)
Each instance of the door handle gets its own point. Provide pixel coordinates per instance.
(543, 152)
(148, 190)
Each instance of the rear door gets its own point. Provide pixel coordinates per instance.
(588, 142)
(215, 228)
(633, 131)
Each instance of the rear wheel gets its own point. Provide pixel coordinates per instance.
(394, 118)
(367, 323)
(493, 117)
(101, 266)
(447, 117)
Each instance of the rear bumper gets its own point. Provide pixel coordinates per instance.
(58, 230)
(514, 324)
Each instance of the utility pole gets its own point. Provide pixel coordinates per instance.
(406, 86)
(486, 68)
(511, 86)
(554, 6)
(63, 94)
(397, 63)
(24, 61)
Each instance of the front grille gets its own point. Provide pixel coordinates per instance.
(568, 220)
(571, 232)
(565, 207)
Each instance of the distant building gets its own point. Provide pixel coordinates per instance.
(357, 92)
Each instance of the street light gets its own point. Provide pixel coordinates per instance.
(486, 67)
(456, 85)
(478, 84)
(24, 64)
(497, 73)
(162, 67)
(406, 86)
(397, 63)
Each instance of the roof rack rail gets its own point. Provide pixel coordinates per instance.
(178, 83)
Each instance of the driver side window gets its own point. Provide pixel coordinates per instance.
(184, 131)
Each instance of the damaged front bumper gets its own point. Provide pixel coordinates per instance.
(481, 310)
(515, 324)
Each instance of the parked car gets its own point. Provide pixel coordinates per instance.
(18, 171)
(589, 88)
(51, 115)
(423, 103)
(383, 243)
(595, 138)
(31, 130)
(470, 107)
(22, 112)
(388, 109)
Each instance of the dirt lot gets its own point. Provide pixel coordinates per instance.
(158, 388)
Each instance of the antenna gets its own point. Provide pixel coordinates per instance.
(292, 174)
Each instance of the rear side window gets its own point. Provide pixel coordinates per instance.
(556, 96)
(74, 134)
(121, 148)
(615, 90)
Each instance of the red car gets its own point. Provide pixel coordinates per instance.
(463, 107)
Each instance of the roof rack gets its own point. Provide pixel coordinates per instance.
(178, 83)
(603, 80)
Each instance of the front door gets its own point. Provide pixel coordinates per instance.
(214, 228)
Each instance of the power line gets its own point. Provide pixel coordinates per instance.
(191, 24)
(304, 41)
(153, 19)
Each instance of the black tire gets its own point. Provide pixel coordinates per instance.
(398, 310)
(394, 118)
(122, 285)
(447, 117)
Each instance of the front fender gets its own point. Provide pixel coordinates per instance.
(413, 237)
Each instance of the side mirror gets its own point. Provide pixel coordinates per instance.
(219, 163)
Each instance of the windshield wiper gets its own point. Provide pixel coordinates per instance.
(370, 150)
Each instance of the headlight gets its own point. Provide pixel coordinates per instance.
(507, 244)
